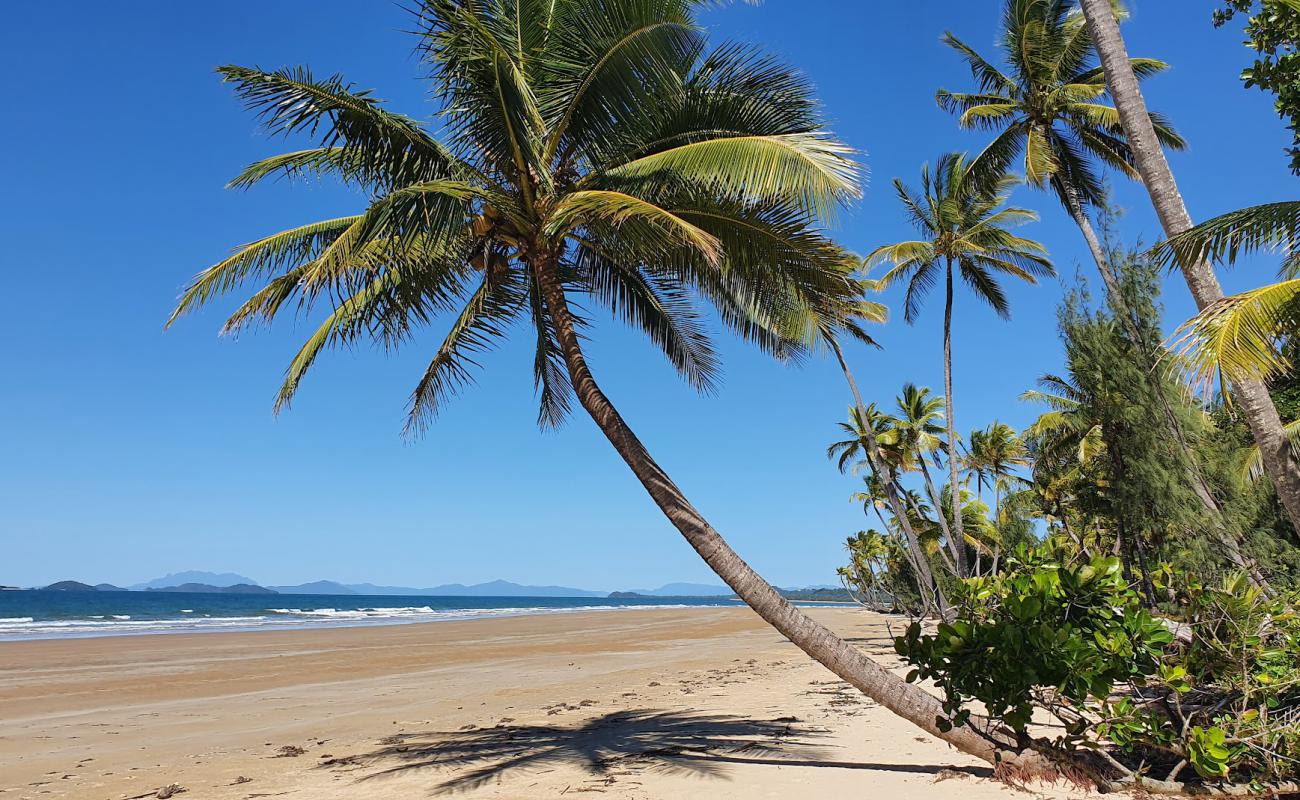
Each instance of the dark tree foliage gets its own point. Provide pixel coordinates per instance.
(1140, 486)
(1273, 31)
(1136, 485)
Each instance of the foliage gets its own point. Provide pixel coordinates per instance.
(602, 143)
(1243, 335)
(1103, 448)
(1221, 691)
(1273, 31)
(1039, 624)
(1048, 102)
(963, 223)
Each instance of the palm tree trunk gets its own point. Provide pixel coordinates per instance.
(1077, 539)
(1195, 475)
(906, 700)
(1070, 197)
(955, 543)
(876, 460)
(997, 526)
(957, 530)
(1252, 396)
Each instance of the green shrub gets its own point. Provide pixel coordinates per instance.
(1075, 642)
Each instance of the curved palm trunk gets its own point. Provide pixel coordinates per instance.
(955, 543)
(906, 700)
(1070, 197)
(958, 530)
(1252, 396)
(1196, 477)
(885, 470)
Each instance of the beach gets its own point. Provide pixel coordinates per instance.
(653, 703)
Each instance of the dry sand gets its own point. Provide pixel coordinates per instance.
(676, 704)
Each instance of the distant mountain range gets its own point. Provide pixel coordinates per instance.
(232, 583)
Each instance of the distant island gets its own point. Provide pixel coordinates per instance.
(204, 588)
(70, 586)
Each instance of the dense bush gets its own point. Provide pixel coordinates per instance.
(1216, 686)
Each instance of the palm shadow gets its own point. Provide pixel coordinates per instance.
(703, 745)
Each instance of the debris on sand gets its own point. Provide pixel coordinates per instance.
(289, 751)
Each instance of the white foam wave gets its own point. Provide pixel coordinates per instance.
(14, 628)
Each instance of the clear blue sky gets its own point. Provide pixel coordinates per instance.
(129, 452)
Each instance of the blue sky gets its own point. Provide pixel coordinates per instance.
(129, 452)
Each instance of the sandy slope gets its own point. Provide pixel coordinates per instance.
(696, 703)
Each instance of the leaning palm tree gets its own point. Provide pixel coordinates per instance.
(1280, 462)
(1049, 107)
(964, 226)
(590, 148)
(870, 432)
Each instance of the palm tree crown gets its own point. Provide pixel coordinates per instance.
(1049, 103)
(599, 141)
(964, 224)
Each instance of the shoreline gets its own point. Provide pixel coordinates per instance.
(687, 703)
(318, 616)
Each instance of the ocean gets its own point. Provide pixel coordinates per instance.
(57, 615)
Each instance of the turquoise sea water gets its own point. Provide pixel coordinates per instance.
(53, 615)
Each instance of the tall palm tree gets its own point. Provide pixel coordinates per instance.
(963, 225)
(595, 148)
(1049, 108)
(992, 455)
(1280, 461)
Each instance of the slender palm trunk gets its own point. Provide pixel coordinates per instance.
(1196, 477)
(957, 530)
(906, 700)
(885, 470)
(955, 543)
(997, 526)
(1074, 537)
(1252, 396)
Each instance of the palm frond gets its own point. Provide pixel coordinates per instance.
(1240, 336)
(275, 253)
(1229, 236)
(658, 229)
(813, 169)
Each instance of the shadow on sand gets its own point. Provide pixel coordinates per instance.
(623, 742)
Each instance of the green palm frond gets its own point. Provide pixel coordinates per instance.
(810, 167)
(379, 143)
(1240, 336)
(263, 258)
(482, 322)
(1227, 237)
(602, 140)
(660, 307)
(657, 230)
(1250, 465)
